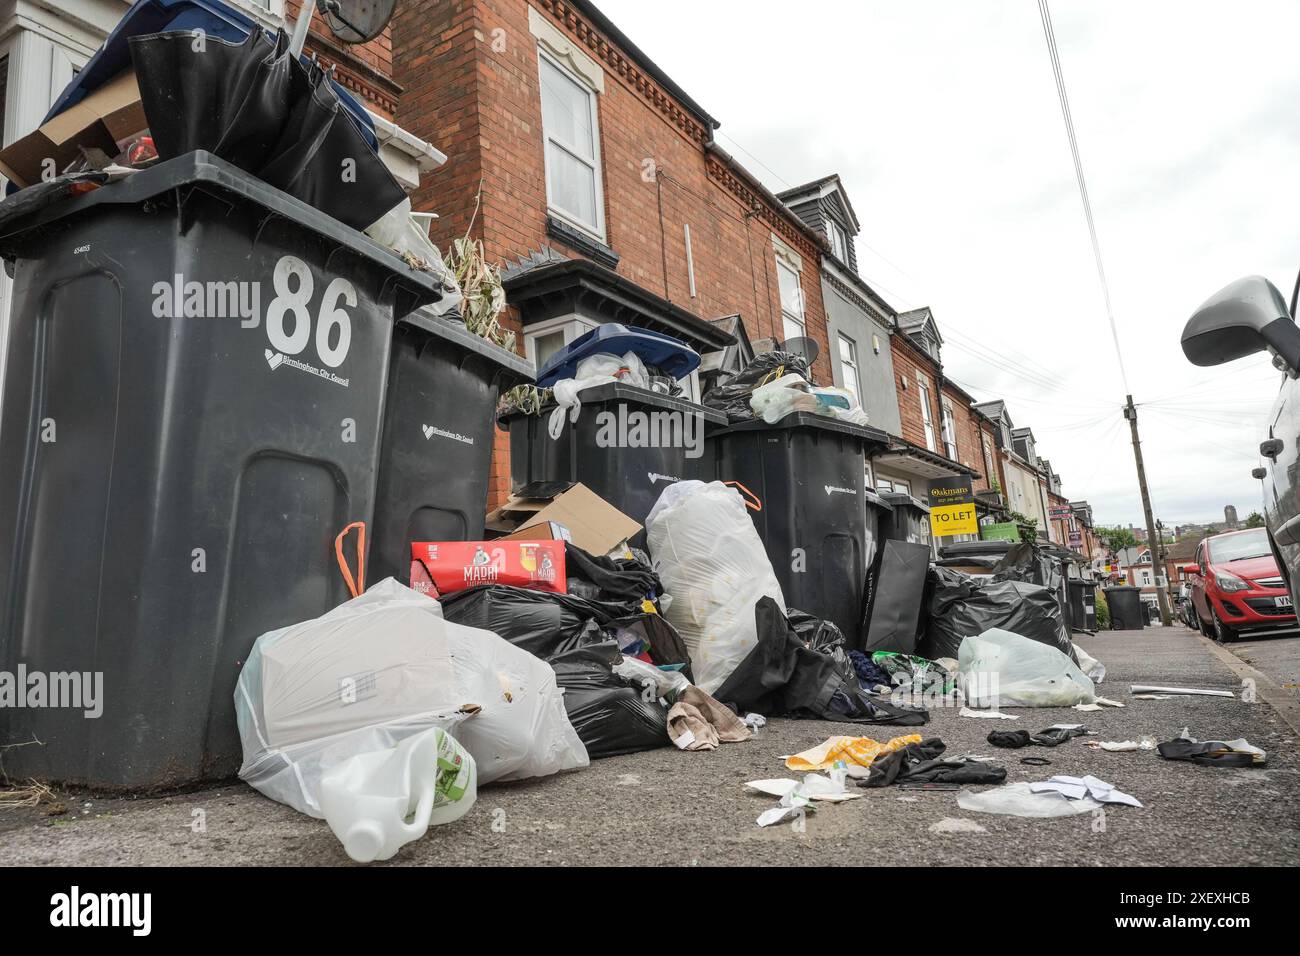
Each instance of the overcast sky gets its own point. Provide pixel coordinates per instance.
(941, 116)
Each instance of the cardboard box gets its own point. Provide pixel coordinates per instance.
(444, 567)
(111, 113)
(584, 518)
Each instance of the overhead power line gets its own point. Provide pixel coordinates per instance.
(1063, 97)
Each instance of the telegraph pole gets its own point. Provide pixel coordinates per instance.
(1154, 543)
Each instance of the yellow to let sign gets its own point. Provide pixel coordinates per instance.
(946, 520)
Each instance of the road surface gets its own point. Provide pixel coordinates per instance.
(667, 807)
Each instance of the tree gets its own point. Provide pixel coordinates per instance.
(1116, 538)
(1254, 520)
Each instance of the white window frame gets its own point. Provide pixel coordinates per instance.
(948, 428)
(839, 241)
(851, 363)
(575, 327)
(572, 326)
(595, 229)
(789, 318)
(927, 413)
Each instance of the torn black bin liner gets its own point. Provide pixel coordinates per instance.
(611, 714)
(783, 676)
(733, 398)
(259, 107)
(962, 607)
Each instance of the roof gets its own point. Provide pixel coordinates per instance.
(992, 409)
(550, 283)
(819, 188)
(1128, 557)
(638, 56)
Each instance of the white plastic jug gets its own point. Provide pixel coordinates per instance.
(367, 799)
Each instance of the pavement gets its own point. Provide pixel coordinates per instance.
(667, 807)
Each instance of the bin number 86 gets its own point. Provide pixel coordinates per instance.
(294, 303)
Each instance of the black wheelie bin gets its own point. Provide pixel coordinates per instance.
(193, 404)
(436, 457)
(809, 474)
(627, 446)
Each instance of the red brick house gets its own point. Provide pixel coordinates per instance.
(595, 181)
(936, 438)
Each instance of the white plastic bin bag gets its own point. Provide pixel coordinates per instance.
(380, 668)
(712, 562)
(1002, 669)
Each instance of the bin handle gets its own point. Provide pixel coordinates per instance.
(358, 584)
(754, 503)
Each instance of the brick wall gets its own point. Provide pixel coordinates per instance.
(469, 74)
(364, 69)
(909, 365)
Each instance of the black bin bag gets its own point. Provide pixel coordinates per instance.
(610, 713)
(259, 107)
(784, 676)
(577, 638)
(962, 607)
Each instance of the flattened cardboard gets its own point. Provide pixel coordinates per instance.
(593, 524)
(111, 113)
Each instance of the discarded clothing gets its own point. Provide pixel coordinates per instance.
(855, 751)
(622, 580)
(923, 763)
(870, 674)
(1213, 753)
(1051, 737)
(698, 722)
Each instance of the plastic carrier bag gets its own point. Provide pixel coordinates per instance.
(712, 563)
(1001, 669)
(380, 668)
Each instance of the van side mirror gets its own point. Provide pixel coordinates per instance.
(1240, 319)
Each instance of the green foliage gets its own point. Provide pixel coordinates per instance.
(1254, 520)
(1028, 526)
(1116, 538)
(1103, 611)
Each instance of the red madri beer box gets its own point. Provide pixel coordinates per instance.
(443, 567)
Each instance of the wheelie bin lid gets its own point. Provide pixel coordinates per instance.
(622, 392)
(1121, 587)
(901, 499)
(868, 434)
(673, 356)
(518, 369)
(203, 171)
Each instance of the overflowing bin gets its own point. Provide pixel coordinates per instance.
(436, 456)
(808, 472)
(627, 445)
(1127, 612)
(193, 409)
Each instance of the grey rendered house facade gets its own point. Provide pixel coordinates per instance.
(858, 321)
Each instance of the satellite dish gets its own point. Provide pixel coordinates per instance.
(356, 21)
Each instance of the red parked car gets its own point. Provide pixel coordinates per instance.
(1237, 588)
